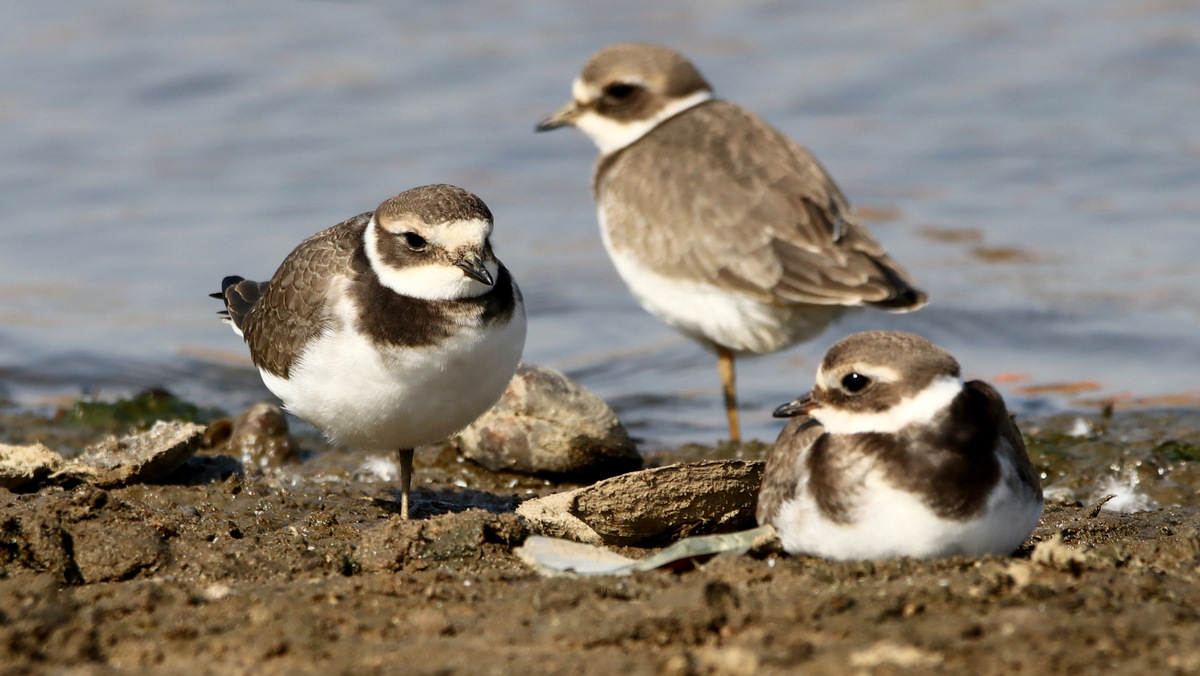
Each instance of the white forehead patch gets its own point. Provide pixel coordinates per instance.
(584, 93)
(611, 135)
(459, 234)
(450, 235)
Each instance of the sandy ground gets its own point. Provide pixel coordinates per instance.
(307, 569)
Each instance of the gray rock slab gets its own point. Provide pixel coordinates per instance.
(143, 457)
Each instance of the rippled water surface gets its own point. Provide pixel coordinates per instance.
(1035, 165)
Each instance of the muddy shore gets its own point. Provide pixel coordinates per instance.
(305, 568)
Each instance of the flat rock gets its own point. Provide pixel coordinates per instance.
(144, 457)
(652, 506)
(547, 424)
(26, 467)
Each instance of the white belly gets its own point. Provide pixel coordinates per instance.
(402, 397)
(889, 523)
(713, 315)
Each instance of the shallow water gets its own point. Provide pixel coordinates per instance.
(1034, 164)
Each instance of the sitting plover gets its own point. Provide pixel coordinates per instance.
(393, 329)
(721, 226)
(892, 454)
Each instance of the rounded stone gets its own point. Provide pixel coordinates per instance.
(260, 436)
(547, 424)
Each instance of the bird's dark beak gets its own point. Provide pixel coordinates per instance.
(800, 406)
(561, 118)
(473, 268)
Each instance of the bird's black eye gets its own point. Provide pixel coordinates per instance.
(619, 91)
(414, 241)
(855, 382)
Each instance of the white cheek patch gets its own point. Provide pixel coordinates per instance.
(611, 135)
(434, 281)
(917, 409)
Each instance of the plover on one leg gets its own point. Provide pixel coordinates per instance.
(391, 330)
(721, 226)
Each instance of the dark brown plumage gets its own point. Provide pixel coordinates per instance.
(950, 463)
(782, 471)
(949, 453)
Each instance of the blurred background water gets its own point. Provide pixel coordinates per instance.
(1034, 164)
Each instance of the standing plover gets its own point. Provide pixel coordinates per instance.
(892, 454)
(721, 226)
(393, 329)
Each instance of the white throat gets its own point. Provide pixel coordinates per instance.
(917, 409)
(611, 135)
(435, 281)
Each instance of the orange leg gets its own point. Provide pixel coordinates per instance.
(729, 385)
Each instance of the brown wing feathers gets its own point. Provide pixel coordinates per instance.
(294, 301)
(239, 295)
(795, 243)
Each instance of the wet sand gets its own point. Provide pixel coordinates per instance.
(307, 569)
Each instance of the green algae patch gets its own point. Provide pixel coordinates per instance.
(1146, 459)
(137, 412)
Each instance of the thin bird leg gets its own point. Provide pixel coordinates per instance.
(729, 384)
(405, 456)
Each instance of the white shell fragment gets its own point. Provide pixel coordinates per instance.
(557, 557)
(25, 467)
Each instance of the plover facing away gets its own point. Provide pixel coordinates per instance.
(892, 454)
(721, 226)
(391, 330)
